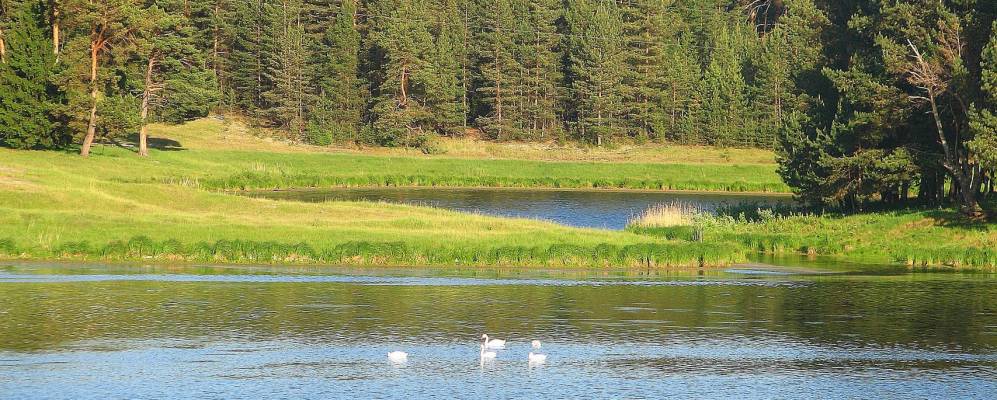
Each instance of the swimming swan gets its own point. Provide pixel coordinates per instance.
(486, 355)
(398, 357)
(537, 358)
(492, 344)
(535, 344)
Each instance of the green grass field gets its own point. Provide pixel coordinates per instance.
(170, 207)
(250, 166)
(918, 239)
(117, 206)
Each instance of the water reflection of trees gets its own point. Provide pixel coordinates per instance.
(928, 313)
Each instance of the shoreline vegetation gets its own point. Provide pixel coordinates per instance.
(170, 208)
(919, 239)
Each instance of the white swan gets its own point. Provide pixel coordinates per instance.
(398, 357)
(535, 344)
(486, 355)
(494, 343)
(537, 358)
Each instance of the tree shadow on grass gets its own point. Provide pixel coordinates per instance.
(952, 218)
(162, 144)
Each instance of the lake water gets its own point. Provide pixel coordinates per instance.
(294, 332)
(583, 208)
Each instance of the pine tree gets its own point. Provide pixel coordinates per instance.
(286, 66)
(176, 84)
(499, 71)
(28, 96)
(541, 62)
(647, 28)
(103, 38)
(401, 44)
(597, 60)
(248, 57)
(340, 101)
(725, 113)
(443, 92)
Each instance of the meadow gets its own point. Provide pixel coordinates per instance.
(175, 207)
(170, 208)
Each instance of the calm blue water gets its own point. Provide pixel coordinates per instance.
(591, 209)
(155, 333)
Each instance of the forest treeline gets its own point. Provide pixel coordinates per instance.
(865, 101)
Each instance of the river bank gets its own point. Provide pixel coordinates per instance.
(171, 207)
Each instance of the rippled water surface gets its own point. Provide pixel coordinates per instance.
(583, 208)
(150, 333)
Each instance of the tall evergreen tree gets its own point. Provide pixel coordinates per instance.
(726, 116)
(104, 34)
(444, 87)
(541, 62)
(597, 63)
(401, 44)
(175, 80)
(339, 105)
(499, 70)
(28, 96)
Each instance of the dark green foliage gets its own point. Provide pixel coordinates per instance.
(337, 112)
(597, 61)
(908, 118)
(28, 95)
(8, 248)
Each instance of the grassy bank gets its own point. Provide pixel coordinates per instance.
(116, 206)
(251, 166)
(919, 239)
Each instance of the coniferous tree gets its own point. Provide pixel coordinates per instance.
(499, 71)
(176, 84)
(726, 117)
(597, 63)
(540, 60)
(247, 79)
(340, 101)
(443, 92)
(647, 27)
(401, 43)
(102, 40)
(28, 96)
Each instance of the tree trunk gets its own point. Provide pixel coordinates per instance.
(143, 133)
(92, 124)
(3, 48)
(498, 92)
(55, 28)
(962, 182)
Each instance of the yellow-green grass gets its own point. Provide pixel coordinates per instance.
(231, 133)
(916, 238)
(252, 166)
(117, 206)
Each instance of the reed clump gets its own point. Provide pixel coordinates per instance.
(673, 221)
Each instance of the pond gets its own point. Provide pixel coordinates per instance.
(293, 332)
(581, 208)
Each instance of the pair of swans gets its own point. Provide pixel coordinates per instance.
(487, 344)
(533, 358)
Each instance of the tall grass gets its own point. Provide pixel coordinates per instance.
(651, 255)
(922, 239)
(248, 180)
(674, 221)
(675, 213)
